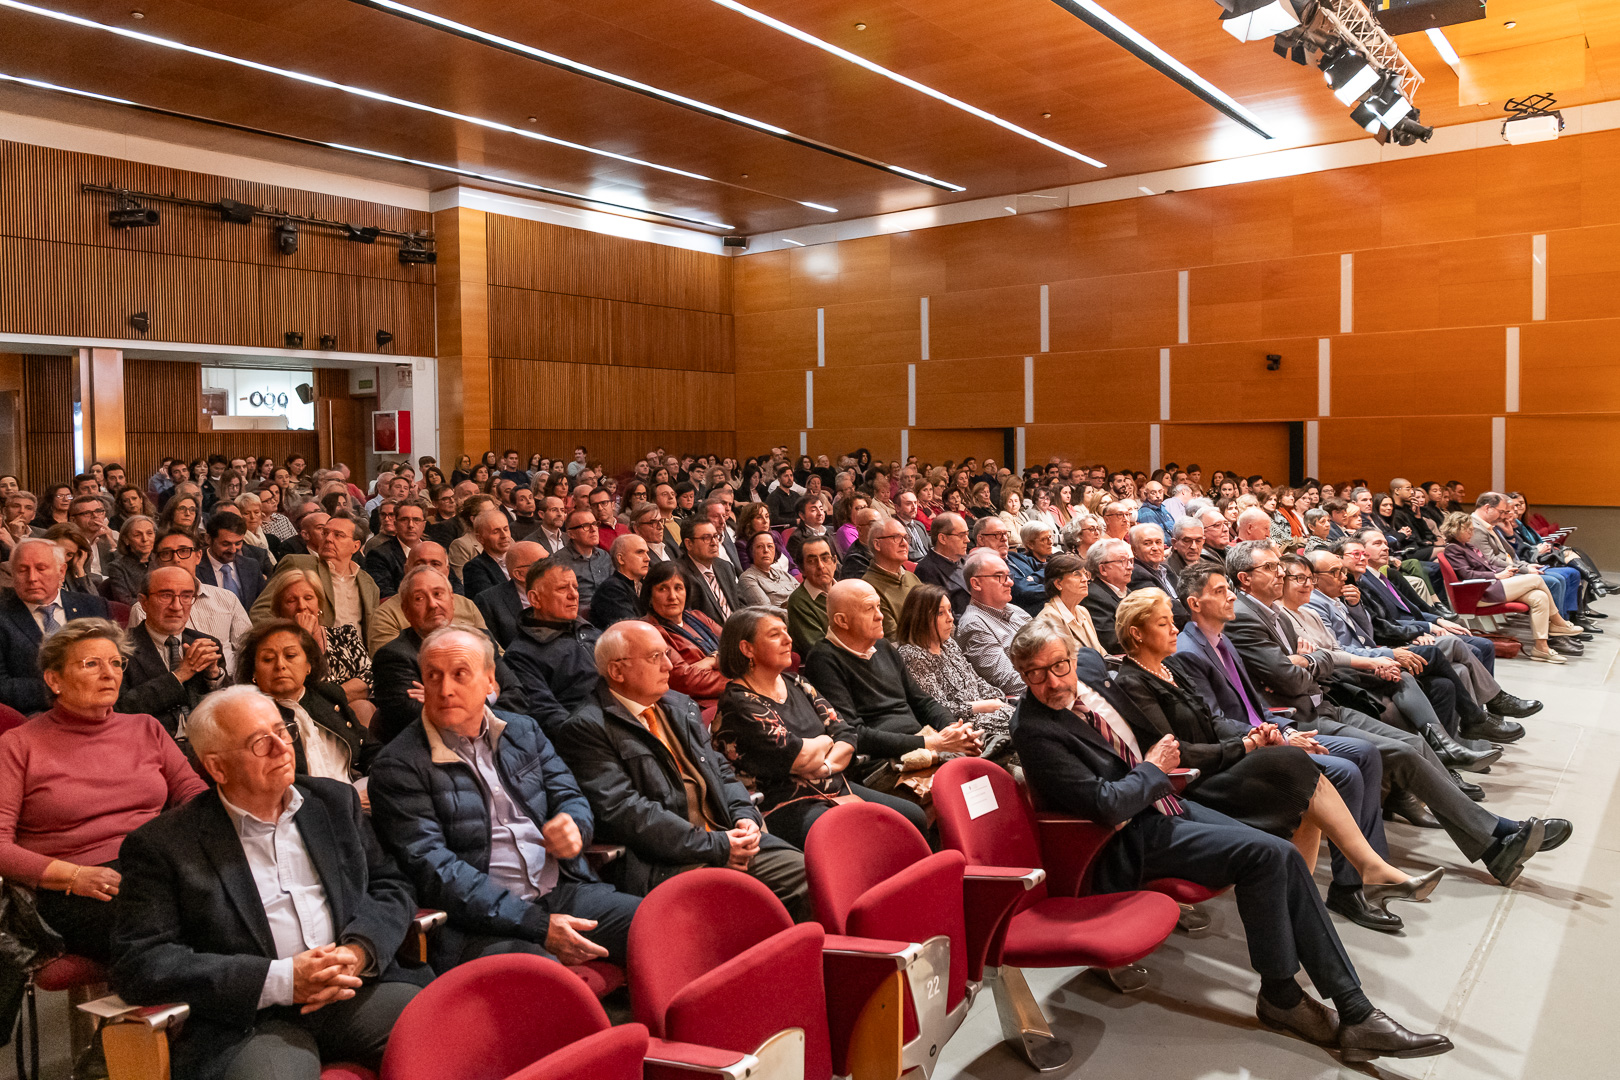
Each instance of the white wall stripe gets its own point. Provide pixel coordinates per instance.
(810, 399)
(1324, 377)
(1181, 307)
(1347, 293)
(924, 317)
(1020, 450)
(804, 442)
(905, 444)
(1512, 369)
(1312, 440)
(1155, 450)
(1164, 384)
(1538, 276)
(1046, 318)
(821, 337)
(911, 395)
(1029, 389)
(1498, 453)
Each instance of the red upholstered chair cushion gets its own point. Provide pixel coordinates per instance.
(1004, 836)
(923, 900)
(768, 988)
(1106, 931)
(614, 1054)
(1181, 890)
(488, 1018)
(67, 972)
(852, 848)
(345, 1071)
(600, 977)
(10, 718)
(120, 613)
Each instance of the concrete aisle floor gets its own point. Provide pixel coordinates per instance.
(1520, 979)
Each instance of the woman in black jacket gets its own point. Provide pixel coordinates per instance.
(1247, 773)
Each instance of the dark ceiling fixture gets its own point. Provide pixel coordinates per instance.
(412, 253)
(383, 338)
(293, 339)
(129, 214)
(240, 213)
(287, 237)
(140, 322)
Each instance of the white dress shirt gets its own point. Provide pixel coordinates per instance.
(38, 612)
(289, 888)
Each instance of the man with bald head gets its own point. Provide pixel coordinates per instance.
(887, 574)
(859, 555)
(617, 598)
(504, 603)
(428, 605)
(388, 620)
(583, 553)
(642, 755)
(494, 532)
(863, 678)
(171, 666)
(1254, 524)
(489, 823)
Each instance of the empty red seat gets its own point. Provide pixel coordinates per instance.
(10, 718)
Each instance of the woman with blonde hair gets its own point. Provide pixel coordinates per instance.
(1457, 532)
(297, 595)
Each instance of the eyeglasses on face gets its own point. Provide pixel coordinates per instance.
(1002, 576)
(173, 553)
(116, 665)
(1037, 676)
(268, 743)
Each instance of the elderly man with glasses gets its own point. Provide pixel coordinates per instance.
(35, 608)
(991, 620)
(1082, 757)
(888, 574)
(171, 666)
(583, 554)
(216, 612)
(1110, 564)
(942, 565)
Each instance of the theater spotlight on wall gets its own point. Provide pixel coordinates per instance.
(328, 341)
(413, 253)
(1273, 361)
(294, 339)
(383, 338)
(367, 235)
(305, 392)
(129, 214)
(238, 212)
(140, 322)
(287, 238)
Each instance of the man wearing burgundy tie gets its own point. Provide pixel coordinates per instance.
(714, 591)
(1067, 732)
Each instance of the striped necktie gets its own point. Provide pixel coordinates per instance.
(1170, 806)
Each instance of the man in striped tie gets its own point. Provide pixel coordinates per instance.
(1081, 757)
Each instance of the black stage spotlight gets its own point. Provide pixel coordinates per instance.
(412, 253)
(238, 212)
(367, 235)
(1253, 20)
(305, 392)
(294, 339)
(287, 238)
(383, 338)
(129, 214)
(1367, 120)
(1387, 101)
(1350, 74)
(140, 322)
(1409, 131)
(1273, 361)
(328, 341)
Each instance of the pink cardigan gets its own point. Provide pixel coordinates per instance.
(72, 788)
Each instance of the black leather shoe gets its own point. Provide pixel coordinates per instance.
(1379, 1036)
(1413, 888)
(1594, 614)
(1351, 902)
(1507, 856)
(1557, 830)
(1455, 756)
(1566, 646)
(1473, 791)
(1494, 728)
(1405, 805)
(1505, 704)
(1310, 1020)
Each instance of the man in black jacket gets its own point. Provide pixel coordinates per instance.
(386, 562)
(711, 582)
(171, 666)
(553, 653)
(641, 753)
(942, 565)
(618, 598)
(502, 605)
(1068, 734)
(428, 605)
(267, 906)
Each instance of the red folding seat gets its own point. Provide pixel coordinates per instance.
(982, 815)
(1465, 596)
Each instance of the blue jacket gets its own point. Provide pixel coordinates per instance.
(555, 658)
(1200, 663)
(1028, 581)
(429, 809)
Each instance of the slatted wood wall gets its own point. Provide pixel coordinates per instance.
(616, 344)
(47, 403)
(1442, 267)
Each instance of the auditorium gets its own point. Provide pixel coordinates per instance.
(837, 540)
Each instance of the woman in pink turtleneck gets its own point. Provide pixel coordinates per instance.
(74, 781)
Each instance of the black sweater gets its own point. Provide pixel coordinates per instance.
(891, 707)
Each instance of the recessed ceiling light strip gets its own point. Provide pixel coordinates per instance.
(623, 209)
(1122, 34)
(878, 69)
(471, 33)
(373, 95)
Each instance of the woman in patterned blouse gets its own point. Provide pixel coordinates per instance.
(924, 638)
(296, 595)
(782, 738)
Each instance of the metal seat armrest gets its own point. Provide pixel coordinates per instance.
(135, 1038)
(413, 951)
(669, 1060)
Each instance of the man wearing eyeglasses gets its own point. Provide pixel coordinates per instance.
(1186, 544)
(1082, 757)
(942, 565)
(171, 666)
(716, 593)
(888, 573)
(89, 513)
(583, 554)
(647, 520)
(267, 906)
(36, 607)
(216, 612)
(608, 528)
(990, 621)
(1110, 564)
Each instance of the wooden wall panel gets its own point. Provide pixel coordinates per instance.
(1124, 382)
(935, 446)
(1253, 301)
(1538, 459)
(1247, 448)
(870, 332)
(610, 446)
(1570, 367)
(1113, 443)
(543, 394)
(1583, 273)
(1113, 312)
(984, 392)
(589, 330)
(1229, 381)
(1373, 373)
(775, 339)
(47, 402)
(871, 396)
(1464, 283)
(551, 258)
(775, 394)
(986, 322)
(1381, 449)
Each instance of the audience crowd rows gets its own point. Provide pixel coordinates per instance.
(271, 712)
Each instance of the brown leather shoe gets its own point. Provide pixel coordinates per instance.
(1380, 1036)
(1310, 1020)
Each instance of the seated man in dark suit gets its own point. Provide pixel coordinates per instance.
(266, 905)
(942, 565)
(641, 753)
(553, 655)
(489, 823)
(223, 564)
(427, 604)
(618, 598)
(386, 562)
(1217, 536)
(711, 581)
(1072, 742)
(1150, 570)
(504, 603)
(35, 606)
(494, 531)
(1110, 564)
(171, 666)
(1186, 544)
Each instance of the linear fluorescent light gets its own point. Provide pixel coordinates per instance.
(795, 243)
(1122, 34)
(428, 18)
(878, 69)
(1442, 45)
(440, 166)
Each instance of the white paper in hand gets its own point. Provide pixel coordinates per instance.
(979, 796)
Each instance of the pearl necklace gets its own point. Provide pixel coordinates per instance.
(1160, 670)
